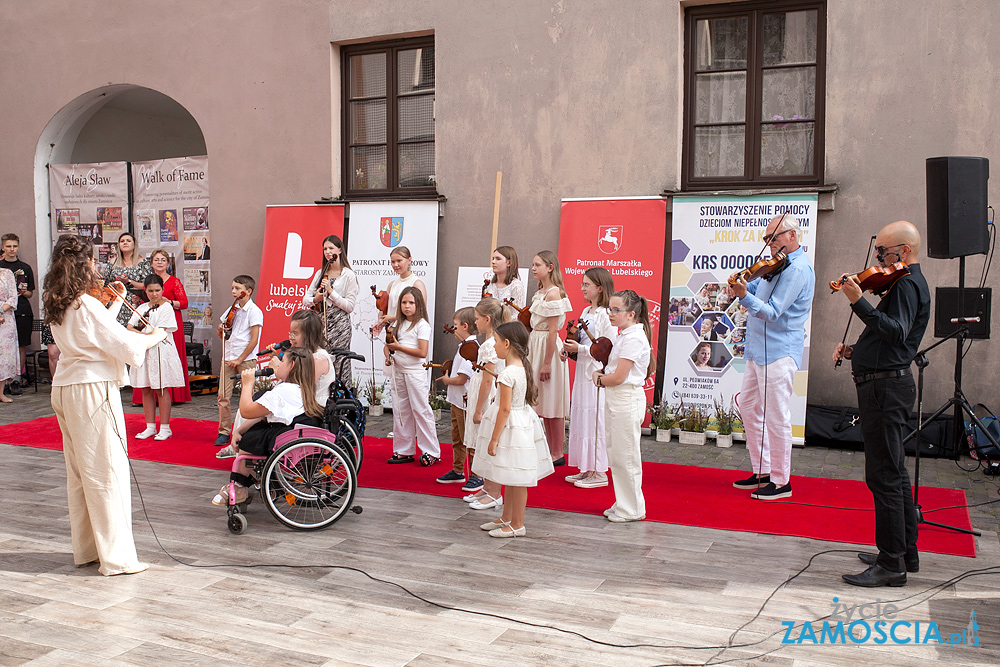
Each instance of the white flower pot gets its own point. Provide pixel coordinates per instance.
(710, 434)
(692, 438)
(663, 435)
(739, 436)
(724, 440)
(437, 414)
(675, 431)
(376, 410)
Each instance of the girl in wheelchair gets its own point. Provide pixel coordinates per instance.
(272, 414)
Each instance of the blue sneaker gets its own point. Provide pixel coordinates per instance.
(223, 439)
(475, 483)
(451, 477)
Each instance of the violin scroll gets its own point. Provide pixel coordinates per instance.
(761, 268)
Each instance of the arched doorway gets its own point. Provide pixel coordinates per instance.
(121, 122)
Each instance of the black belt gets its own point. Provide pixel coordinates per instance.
(861, 378)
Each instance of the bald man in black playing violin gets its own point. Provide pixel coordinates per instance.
(880, 362)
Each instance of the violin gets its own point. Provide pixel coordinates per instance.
(600, 348)
(227, 326)
(142, 325)
(486, 289)
(469, 350)
(761, 268)
(877, 279)
(572, 333)
(390, 336)
(523, 314)
(105, 293)
(445, 367)
(381, 300)
(450, 329)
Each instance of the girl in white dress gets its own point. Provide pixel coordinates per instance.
(630, 364)
(516, 453)
(490, 313)
(412, 417)
(548, 308)
(586, 413)
(506, 284)
(162, 369)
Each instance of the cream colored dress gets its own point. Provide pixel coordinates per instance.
(553, 394)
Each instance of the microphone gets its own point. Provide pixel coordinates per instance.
(262, 373)
(283, 345)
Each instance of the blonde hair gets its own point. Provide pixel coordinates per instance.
(493, 309)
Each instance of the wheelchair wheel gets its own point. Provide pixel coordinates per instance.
(348, 436)
(308, 484)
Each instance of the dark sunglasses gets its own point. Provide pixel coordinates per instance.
(769, 237)
(882, 251)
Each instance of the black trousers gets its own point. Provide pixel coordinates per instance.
(885, 407)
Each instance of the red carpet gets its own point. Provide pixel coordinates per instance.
(685, 495)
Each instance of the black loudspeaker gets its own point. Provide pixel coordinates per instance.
(957, 200)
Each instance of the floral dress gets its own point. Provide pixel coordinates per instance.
(137, 273)
(9, 366)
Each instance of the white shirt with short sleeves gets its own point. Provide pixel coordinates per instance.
(247, 316)
(460, 366)
(409, 334)
(633, 345)
(284, 401)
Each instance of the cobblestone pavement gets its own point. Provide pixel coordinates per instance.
(807, 461)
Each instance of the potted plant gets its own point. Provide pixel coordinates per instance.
(693, 427)
(724, 418)
(664, 418)
(374, 393)
(438, 403)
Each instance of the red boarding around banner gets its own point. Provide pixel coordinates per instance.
(625, 236)
(684, 495)
(292, 254)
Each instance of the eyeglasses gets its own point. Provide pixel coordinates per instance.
(882, 251)
(770, 237)
(616, 311)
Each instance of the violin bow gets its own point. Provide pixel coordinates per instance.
(110, 286)
(850, 317)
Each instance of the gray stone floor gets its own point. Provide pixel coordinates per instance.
(807, 461)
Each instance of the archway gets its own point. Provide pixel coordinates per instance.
(122, 122)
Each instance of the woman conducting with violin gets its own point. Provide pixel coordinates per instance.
(86, 398)
(778, 305)
(334, 293)
(176, 297)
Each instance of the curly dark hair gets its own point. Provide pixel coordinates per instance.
(71, 274)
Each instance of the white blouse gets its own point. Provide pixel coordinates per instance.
(633, 345)
(94, 346)
(344, 294)
(284, 401)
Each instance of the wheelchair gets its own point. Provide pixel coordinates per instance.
(309, 480)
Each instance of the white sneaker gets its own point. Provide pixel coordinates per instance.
(573, 478)
(486, 503)
(592, 482)
(164, 433)
(148, 433)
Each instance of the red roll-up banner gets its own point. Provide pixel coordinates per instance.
(292, 254)
(626, 236)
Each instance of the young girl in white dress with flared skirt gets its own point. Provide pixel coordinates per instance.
(162, 369)
(586, 412)
(516, 453)
(549, 306)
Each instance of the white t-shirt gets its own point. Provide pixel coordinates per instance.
(325, 380)
(460, 366)
(246, 317)
(633, 345)
(284, 401)
(410, 336)
(162, 317)
(396, 288)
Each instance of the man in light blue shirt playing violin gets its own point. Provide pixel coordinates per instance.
(778, 307)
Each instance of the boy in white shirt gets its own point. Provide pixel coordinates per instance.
(239, 348)
(461, 371)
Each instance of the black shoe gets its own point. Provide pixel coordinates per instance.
(870, 559)
(400, 458)
(876, 576)
(14, 388)
(752, 482)
(772, 492)
(561, 461)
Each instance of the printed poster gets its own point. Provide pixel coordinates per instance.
(89, 199)
(713, 237)
(625, 236)
(376, 228)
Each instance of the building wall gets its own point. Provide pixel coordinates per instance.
(568, 99)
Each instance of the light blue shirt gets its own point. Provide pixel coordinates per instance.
(778, 310)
